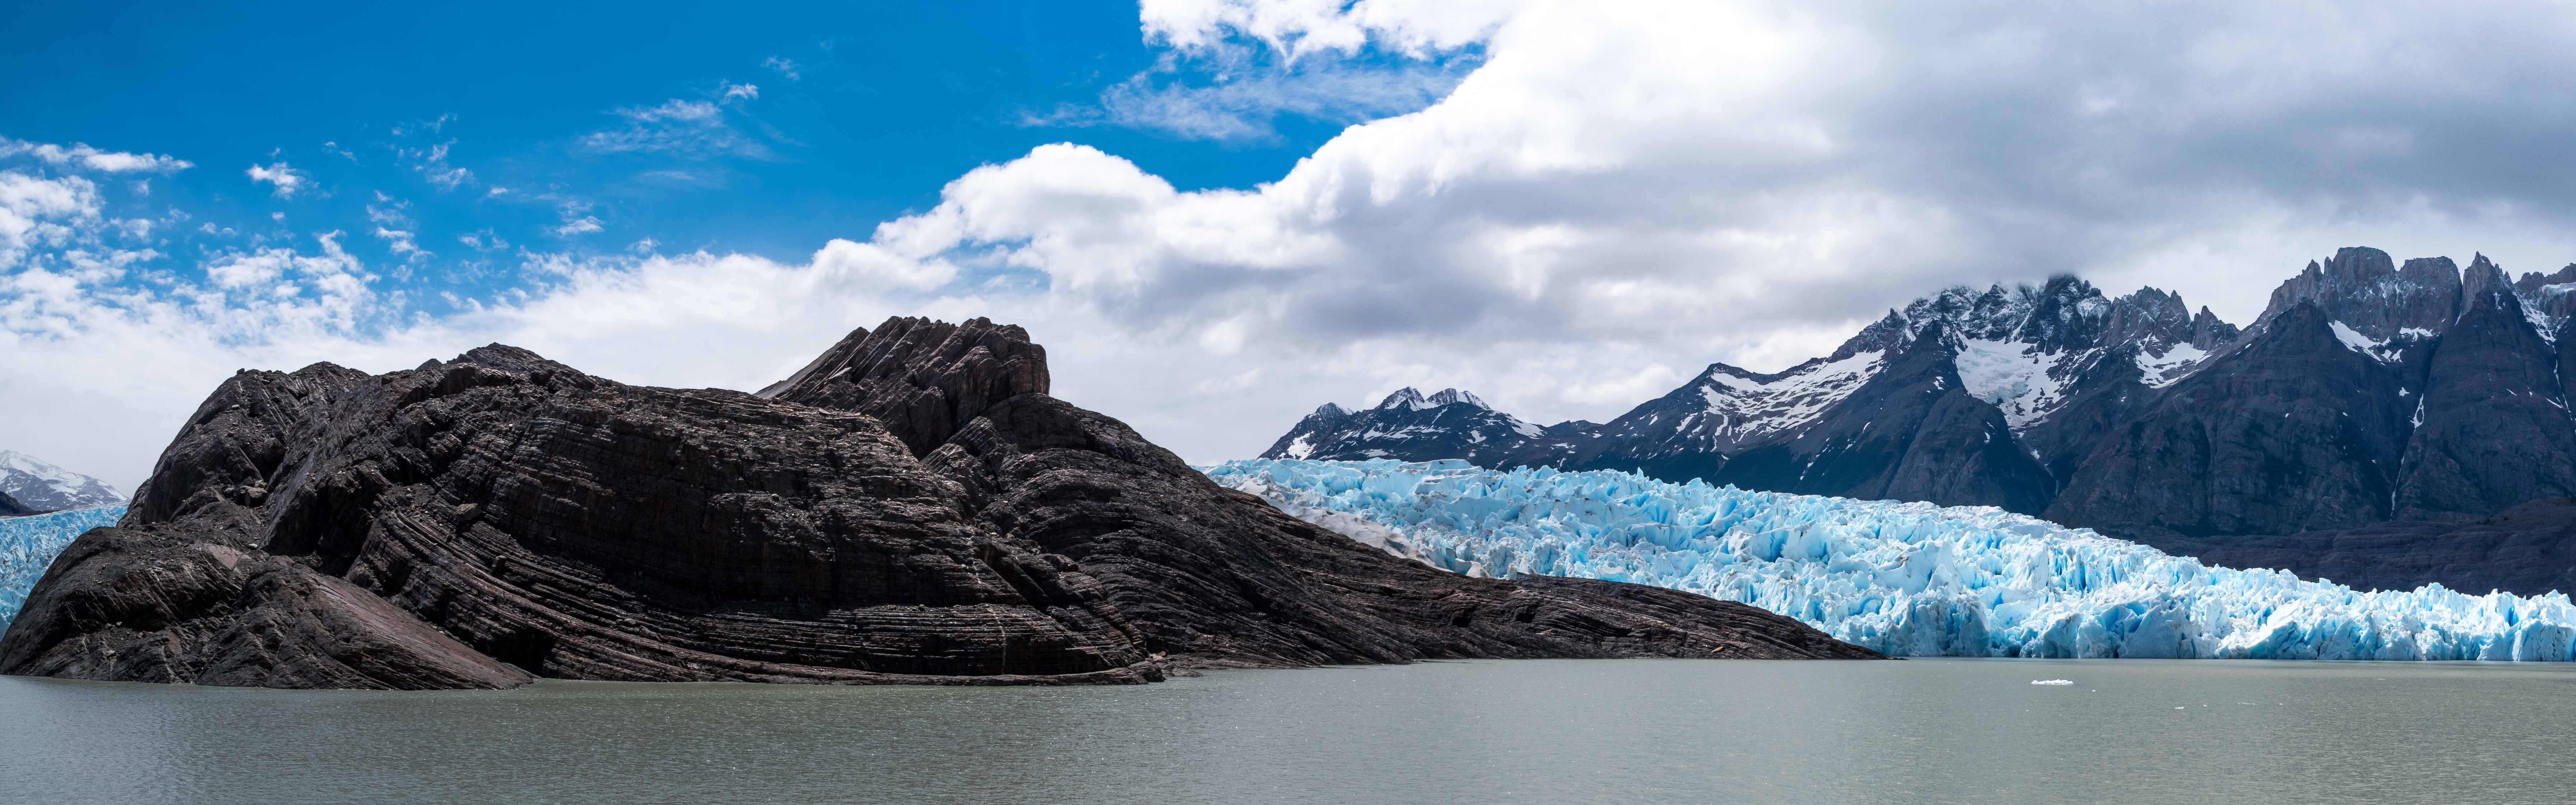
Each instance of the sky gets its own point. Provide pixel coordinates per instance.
(1216, 214)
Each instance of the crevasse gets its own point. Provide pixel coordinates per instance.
(1907, 579)
(29, 543)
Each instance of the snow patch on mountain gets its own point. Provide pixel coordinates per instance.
(2377, 349)
(46, 487)
(1745, 406)
(2015, 377)
(2177, 363)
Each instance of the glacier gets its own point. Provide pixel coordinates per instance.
(1906, 579)
(29, 544)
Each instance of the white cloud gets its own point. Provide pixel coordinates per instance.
(402, 244)
(1618, 194)
(743, 91)
(287, 179)
(783, 66)
(679, 127)
(577, 226)
(431, 163)
(80, 155)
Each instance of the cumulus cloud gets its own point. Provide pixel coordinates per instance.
(783, 66)
(287, 179)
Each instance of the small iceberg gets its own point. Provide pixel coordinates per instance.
(1906, 579)
(2052, 681)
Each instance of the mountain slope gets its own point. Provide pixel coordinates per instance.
(44, 487)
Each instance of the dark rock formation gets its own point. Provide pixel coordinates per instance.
(2527, 550)
(2296, 429)
(10, 506)
(912, 507)
(2491, 428)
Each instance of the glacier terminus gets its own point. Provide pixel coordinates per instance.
(1903, 578)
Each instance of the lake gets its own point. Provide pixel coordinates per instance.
(1918, 731)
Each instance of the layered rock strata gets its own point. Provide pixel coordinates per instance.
(911, 508)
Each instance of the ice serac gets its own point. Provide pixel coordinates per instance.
(2493, 429)
(1902, 578)
(2297, 430)
(29, 544)
(483, 521)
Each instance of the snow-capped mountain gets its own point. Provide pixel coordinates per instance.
(2366, 391)
(38, 486)
(1453, 423)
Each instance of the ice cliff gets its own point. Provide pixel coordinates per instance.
(1901, 578)
(28, 544)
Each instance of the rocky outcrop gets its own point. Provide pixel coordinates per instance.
(2527, 550)
(10, 506)
(2296, 430)
(911, 508)
(2491, 428)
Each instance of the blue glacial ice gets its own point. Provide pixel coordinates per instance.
(1903, 578)
(28, 544)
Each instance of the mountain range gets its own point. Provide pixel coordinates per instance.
(2367, 392)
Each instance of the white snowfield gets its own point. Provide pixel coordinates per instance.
(1902, 578)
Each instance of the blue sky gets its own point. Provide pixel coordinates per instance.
(577, 129)
(1217, 214)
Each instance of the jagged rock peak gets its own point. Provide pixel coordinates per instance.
(2064, 314)
(2207, 331)
(1330, 410)
(2481, 278)
(1448, 396)
(1412, 399)
(2363, 288)
(2533, 281)
(923, 378)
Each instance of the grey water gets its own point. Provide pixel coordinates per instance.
(1625, 731)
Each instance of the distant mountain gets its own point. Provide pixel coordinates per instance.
(1452, 424)
(37, 486)
(2366, 392)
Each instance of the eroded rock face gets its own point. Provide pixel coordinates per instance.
(2527, 550)
(910, 508)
